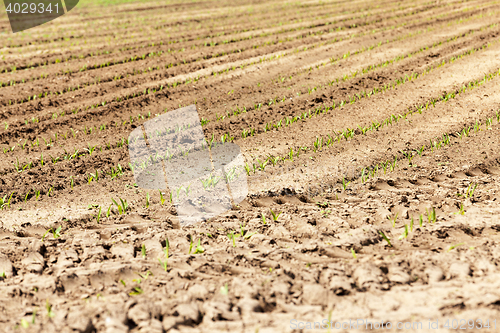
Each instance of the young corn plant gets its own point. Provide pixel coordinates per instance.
(162, 199)
(274, 215)
(431, 215)
(123, 207)
(405, 233)
(199, 249)
(164, 264)
(469, 192)
(385, 238)
(55, 233)
(4, 203)
(454, 246)
(344, 184)
(98, 216)
(243, 233)
(393, 220)
(461, 210)
(232, 237)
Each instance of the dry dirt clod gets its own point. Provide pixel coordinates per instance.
(125, 251)
(247, 306)
(198, 292)
(434, 274)
(114, 325)
(79, 322)
(314, 294)
(6, 266)
(151, 326)
(459, 270)
(34, 262)
(186, 314)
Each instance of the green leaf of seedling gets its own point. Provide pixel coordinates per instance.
(137, 291)
(385, 238)
(199, 248)
(454, 246)
(224, 290)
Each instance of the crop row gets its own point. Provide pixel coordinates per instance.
(173, 85)
(286, 121)
(182, 39)
(346, 77)
(181, 62)
(322, 142)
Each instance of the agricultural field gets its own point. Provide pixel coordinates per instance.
(370, 135)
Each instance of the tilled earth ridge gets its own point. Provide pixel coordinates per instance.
(395, 224)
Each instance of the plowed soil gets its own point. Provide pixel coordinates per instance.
(370, 131)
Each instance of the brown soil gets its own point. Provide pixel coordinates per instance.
(395, 222)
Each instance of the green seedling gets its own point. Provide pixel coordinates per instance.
(470, 190)
(322, 205)
(326, 212)
(421, 220)
(275, 216)
(187, 189)
(147, 199)
(385, 238)
(137, 291)
(353, 253)
(4, 203)
(55, 233)
(263, 218)
(121, 208)
(199, 248)
(393, 220)
(162, 200)
(262, 165)
(98, 216)
(26, 197)
(232, 237)
(431, 215)
(143, 251)
(344, 184)
(411, 224)
(50, 313)
(224, 290)
(25, 323)
(461, 210)
(165, 250)
(405, 232)
(244, 234)
(454, 246)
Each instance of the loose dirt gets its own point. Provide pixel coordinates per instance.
(370, 132)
